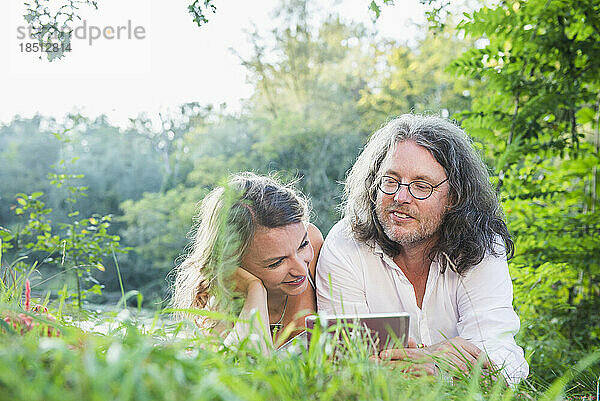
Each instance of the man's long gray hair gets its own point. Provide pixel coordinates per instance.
(473, 222)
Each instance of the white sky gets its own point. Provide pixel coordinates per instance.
(177, 62)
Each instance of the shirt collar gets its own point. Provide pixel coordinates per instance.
(378, 251)
(375, 247)
(385, 258)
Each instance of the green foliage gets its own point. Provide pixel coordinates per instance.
(304, 109)
(199, 8)
(169, 140)
(539, 125)
(437, 13)
(79, 245)
(37, 225)
(95, 149)
(541, 67)
(27, 149)
(557, 268)
(91, 161)
(157, 224)
(134, 367)
(138, 357)
(375, 7)
(415, 79)
(50, 28)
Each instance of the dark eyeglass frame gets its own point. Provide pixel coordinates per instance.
(399, 184)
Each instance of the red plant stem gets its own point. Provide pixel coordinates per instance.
(27, 294)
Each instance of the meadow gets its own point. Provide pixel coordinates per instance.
(52, 350)
(95, 215)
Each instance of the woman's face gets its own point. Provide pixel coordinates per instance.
(280, 257)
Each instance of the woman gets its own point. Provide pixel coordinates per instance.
(254, 238)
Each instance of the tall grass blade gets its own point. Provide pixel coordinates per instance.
(557, 388)
(118, 275)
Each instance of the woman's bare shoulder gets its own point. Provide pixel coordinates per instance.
(314, 235)
(316, 240)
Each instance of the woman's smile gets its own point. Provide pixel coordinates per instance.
(296, 282)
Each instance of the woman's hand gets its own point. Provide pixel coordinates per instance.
(254, 316)
(244, 280)
(456, 352)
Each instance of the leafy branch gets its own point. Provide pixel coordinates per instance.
(53, 28)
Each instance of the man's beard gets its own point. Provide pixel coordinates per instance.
(427, 227)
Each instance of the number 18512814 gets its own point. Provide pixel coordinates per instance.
(37, 47)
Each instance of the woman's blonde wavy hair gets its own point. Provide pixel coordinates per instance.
(224, 227)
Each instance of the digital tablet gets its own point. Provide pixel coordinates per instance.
(382, 330)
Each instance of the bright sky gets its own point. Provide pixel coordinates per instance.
(174, 63)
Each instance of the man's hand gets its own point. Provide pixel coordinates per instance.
(244, 280)
(456, 352)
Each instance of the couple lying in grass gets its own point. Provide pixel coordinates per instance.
(422, 233)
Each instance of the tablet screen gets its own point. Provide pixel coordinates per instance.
(381, 330)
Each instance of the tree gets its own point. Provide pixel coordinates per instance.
(199, 9)
(168, 139)
(116, 165)
(78, 246)
(304, 107)
(156, 227)
(52, 29)
(415, 78)
(539, 125)
(27, 149)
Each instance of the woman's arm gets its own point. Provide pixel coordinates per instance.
(253, 320)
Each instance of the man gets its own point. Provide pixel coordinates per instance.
(423, 233)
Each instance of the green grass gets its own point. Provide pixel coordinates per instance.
(140, 366)
(148, 360)
(133, 362)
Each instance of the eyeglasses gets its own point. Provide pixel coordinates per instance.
(418, 189)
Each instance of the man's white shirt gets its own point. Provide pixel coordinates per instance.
(477, 306)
